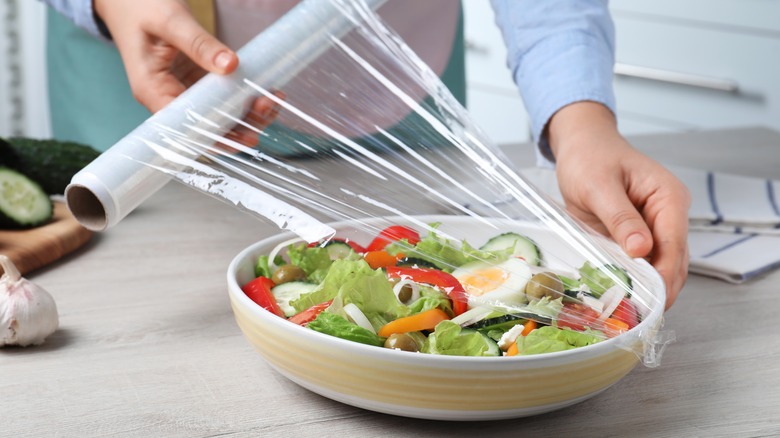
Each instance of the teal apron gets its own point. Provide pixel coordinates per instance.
(89, 97)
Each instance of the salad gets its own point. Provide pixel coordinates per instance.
(426, 294)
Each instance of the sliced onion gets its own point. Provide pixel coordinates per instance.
(278, 248)
(611, 299)
(593, 302)
(471, 316)
(415, 290)
(357, 316)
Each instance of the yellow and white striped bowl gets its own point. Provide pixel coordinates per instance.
(432, 386)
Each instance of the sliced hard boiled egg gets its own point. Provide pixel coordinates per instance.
(495, 282)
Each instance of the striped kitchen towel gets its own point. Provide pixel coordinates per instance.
(734, 220)
(732, 257)
(731, 203)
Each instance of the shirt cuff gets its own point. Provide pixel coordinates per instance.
(580, 69)
(81, 13)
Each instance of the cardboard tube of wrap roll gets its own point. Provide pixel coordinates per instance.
(113, 185)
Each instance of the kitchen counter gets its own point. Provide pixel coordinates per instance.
(148, 346)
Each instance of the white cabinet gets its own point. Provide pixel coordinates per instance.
(682, 66)
(491, 95)
(697, 64)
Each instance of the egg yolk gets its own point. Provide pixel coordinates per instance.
(483, 281)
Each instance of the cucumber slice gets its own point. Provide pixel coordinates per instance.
(519, 245)
(23, 203)
(292, 290)
(492, 346)
(338, 250)
(415, 262)
(503, 322)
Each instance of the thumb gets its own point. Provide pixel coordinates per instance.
(624, 223)
(184, 33)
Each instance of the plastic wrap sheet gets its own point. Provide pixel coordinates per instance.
(366, 135)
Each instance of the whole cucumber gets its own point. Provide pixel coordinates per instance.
(50, 163)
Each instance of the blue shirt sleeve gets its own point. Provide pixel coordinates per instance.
(79, 12)
(559, 52)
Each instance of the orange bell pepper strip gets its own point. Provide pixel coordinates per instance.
(381, 259)
(614, 327)
(421, 321)
(528, 327)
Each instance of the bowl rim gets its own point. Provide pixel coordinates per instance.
(622, 341)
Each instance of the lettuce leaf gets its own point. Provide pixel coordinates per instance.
(315, 261)
(338, 326)
(372, 294)
(448, 338)
(549, 339)
(441, 252)
(261, 267)
(353, 281)
(545, 307)
(430, 298)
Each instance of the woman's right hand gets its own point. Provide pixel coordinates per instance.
(165, 50)
(152, 37)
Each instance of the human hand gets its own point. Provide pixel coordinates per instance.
(621, 192)
(165, 50)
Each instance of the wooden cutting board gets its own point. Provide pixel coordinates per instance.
(36, 247)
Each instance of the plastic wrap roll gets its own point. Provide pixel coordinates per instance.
(113, 185)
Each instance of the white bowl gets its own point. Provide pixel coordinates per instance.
(433, 386)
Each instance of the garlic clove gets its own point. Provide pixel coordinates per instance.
(28, 313)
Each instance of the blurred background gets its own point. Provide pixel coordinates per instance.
(23, 103)
(681, 66)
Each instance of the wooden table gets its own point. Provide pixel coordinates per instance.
(148, 345)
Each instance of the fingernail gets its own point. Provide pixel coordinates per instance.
(222, 60)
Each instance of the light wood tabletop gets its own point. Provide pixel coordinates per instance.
(148, 345)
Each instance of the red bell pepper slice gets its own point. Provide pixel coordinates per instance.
(435, 277)
(259, 291)
(393, 234)
(310, 314)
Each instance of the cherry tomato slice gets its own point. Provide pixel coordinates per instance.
(577, 317)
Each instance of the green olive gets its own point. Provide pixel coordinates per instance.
(405, 294)
(402, 341)
(544, 284)
(288, 273)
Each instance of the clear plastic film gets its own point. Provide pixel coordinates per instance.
(368, 158)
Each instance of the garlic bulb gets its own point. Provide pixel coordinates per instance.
(28, 313)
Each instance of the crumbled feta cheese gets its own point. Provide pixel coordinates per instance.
(510, 336)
